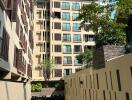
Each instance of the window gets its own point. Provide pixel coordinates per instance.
(57, 48)
(48, 47)
(65, 5)
(75, 6)
(39, 35)
(57, 15)
(88, 37)
(57, 36)
(48, 5)
(39, 5)
(91, 37)
(66, 27)
(77, 48)
(58, 60)
(88, 47)
(76, 62)
(76, 27)
(47, 13)
(39, 14)
(67, 48)
(48, 25)
(77, 37)
(40, 24)
(67, 60)
(66, 16)
(57, 25)
(4, 43)
(66, 37)
(56, 4)
(74, 16)
(58, 72)
(67, 72)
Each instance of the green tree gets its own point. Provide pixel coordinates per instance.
(97, 18)
(85, 58)
(124, 9)
(46, 66)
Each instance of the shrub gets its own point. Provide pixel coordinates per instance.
(36, 87)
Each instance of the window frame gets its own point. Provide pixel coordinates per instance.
(76, 27)
(68, 60)
(66, 27)
(65, 6)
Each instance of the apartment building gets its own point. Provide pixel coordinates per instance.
(58, 36)
(16, 45)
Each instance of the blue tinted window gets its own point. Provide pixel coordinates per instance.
(77, 37)
(67, 72)
(67, 48)
(65, 5)
(67, 60)
(76, 27)
(66, 16)
(66, 27)
(76, 62)
(75, 15)
(75, 6)
(66, 37)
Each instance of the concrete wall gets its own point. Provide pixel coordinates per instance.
(110, 83)
(14, 91)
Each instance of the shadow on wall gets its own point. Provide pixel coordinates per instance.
(48, 98)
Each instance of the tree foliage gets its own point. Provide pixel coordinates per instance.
(46, 66)
(86, 58)
(97, 18)
(60, 85)
(124, 9)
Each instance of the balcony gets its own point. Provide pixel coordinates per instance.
(68, 63)
(67, 52)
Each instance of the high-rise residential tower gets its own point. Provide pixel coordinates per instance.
(58, 36)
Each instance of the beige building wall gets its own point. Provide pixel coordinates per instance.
(110, 83)
(52, 12)
(14, 91)
(15, 49)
